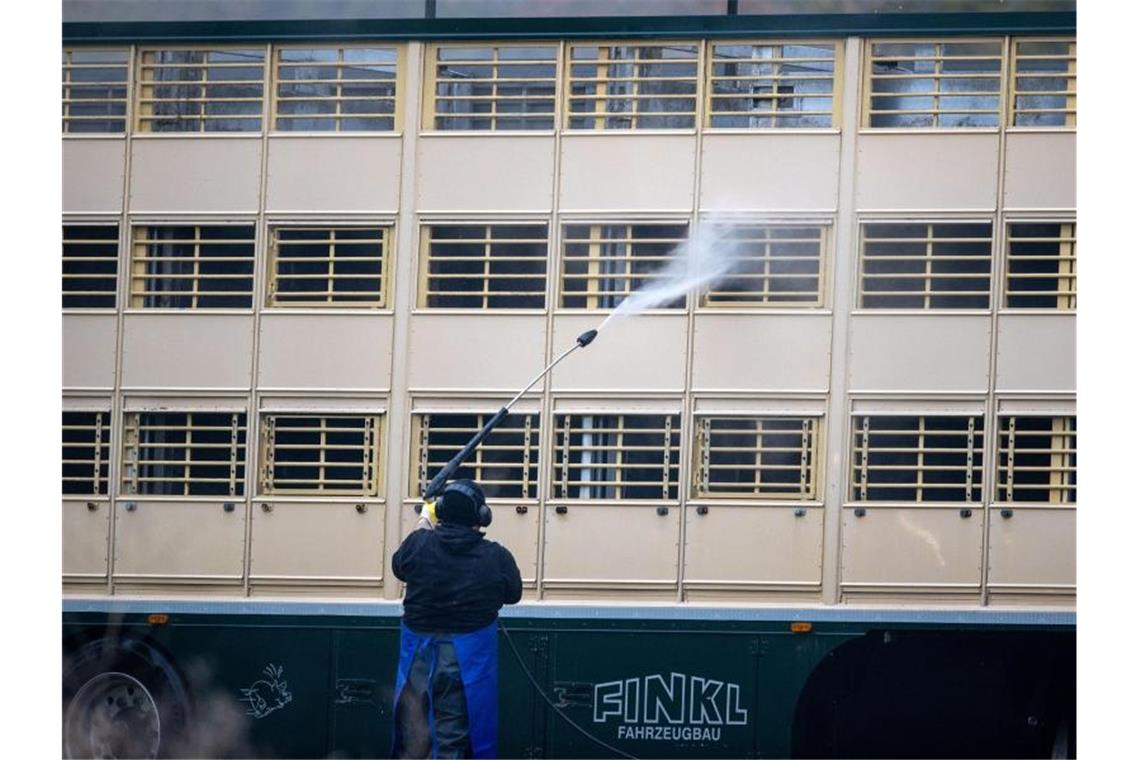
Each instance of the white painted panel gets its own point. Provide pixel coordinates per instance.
(1033, 548)
(754, 545)
(761, 351)
(85, 535)
(485, 173)
(93, 175)
(926, 171)
(297, 541)
(1037, 352)
(770, 172)
(645, 352)
(169, 539)
(195, 174)
(88, 350)
(470, 351)
(189, 350)
(919, 352)
(519, 533)
(921, 546)
(627, 172)
(342, 173)
(1041, 170)
(325, 351)
(611, 543)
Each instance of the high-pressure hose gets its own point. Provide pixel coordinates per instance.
(435, 487)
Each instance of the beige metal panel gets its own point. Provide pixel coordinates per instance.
(919, 352)
(627, 172)
(472, 351)
(179, 540)
(926, 171)
(89, 350)
(309, 404)
(1037, 406)
(1033, 550)
(925, 547)
(519, 533)
(295, 541)
(431, 404)
(349, 351)
(134, 403)
(1037, 352)
(85, 535)
(762, 546)
(761, 352)
(345, 173)
(485, 173)
(772, 172)
(645, 352)
(93, 175)
(1041, 170)
(195, 174)
(611, 404)
(917, 406)
(611, 544)
(759, 406)
(187, 350)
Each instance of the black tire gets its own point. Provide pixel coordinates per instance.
(122, 698)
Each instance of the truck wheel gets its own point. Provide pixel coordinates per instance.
(121, 698)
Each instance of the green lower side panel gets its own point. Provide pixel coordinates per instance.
(203, 685)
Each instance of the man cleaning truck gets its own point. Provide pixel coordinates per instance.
(447, 698)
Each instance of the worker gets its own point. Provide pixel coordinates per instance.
(447, 695)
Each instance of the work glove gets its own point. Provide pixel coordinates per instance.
(428, 517)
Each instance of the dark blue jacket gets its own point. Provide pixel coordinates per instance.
(457, 580)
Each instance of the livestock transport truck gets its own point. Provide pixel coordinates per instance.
(824, 507)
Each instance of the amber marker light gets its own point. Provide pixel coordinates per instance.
(158, 618)
(801, 627)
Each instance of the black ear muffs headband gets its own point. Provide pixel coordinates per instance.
(483, 512)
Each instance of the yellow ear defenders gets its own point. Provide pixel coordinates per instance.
(483, 512)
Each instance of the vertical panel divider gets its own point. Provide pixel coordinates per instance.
(260, 268)
(686, 427)
(553, 273)
(843, 286)
(990, 433)
(404, 277)
(122, 294)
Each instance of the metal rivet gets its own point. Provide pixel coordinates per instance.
(361, 508)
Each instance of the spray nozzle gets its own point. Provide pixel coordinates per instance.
(587, 338)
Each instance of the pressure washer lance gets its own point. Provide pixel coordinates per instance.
(435, 487)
